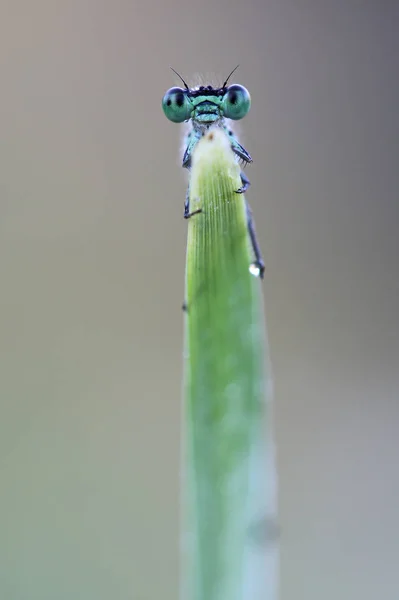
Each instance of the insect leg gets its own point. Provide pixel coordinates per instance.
(187, 203)
(255, 246)
(245, 183)
(187, 165)
(187, 213)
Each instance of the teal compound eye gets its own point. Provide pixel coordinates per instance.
(176, 105)
(236, 102)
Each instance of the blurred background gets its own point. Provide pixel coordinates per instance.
(92, 252)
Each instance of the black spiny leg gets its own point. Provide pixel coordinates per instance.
(187, 164)
(246, 158)
(245, 183)
(187, 213)
(258, 263)
(187, 203)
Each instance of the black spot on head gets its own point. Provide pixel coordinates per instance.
(168, 102)
(233, 97)
(180, 99)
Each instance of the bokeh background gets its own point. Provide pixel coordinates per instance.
(92, 251)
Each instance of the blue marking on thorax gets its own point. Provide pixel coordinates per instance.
(205, 115)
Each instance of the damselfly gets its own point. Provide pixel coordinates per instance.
(205, 107)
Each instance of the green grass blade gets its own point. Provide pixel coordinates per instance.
(229, 484)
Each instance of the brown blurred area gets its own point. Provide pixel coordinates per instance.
(92, 250)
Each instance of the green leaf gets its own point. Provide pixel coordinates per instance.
(229, 481)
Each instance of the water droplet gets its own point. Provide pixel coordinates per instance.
(254, 269)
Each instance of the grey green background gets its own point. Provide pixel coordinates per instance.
(92, 250)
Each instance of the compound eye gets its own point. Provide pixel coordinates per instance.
(236, 102)
(176, 105)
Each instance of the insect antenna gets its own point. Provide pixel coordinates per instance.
(224, 85)
(180, 77)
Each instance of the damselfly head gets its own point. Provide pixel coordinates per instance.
(182, 104)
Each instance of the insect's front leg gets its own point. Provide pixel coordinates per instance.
(192, 140)
(243, 155)
(187, 203)
(236, 146)
(187, 213)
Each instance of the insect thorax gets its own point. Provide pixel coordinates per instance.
(202, 122)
